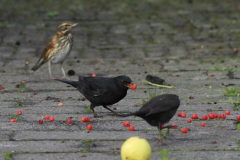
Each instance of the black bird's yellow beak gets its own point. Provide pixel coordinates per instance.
(131, 86)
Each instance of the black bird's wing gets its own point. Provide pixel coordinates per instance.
(94, 86)
(160, 104)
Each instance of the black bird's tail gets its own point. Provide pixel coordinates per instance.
(126, 115)
(38, 64)
(73, 83)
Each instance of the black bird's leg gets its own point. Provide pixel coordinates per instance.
(168, 127)
(92, 108)
(160, 138)
(114, 113)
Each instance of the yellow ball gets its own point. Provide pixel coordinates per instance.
(136, 148)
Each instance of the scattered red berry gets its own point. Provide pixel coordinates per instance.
(23, 82)
(1, 87)
(46, 117)
(162, 125)
(189, 120)
(204, 117)
(206, 84)
(203, 124)
(184, 130)
(210, 115)
(215, 115)
(219, 116)
(13, 120)
(89, 127)
(212, 75)
(134, 87)
(115, 70)
(227, 112)
(126, 124)
(51, 118)
(93, 75)
(235, 50)
(87, 119)
(191, 97)
(60, 104)
(238, 118)
(40, 121)
(131, 128)
(174, 126)
(69, 121)
(19, 112)
(83, 119)
(194, 116)
(223, 116)
(179, 114)
(183, 115)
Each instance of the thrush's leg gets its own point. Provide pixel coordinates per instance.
(49, 68)
(114, 113)
(64, 75)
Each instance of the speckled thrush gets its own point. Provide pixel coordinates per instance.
(58, 48)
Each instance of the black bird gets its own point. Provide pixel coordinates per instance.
(102, 91)
(158, 111)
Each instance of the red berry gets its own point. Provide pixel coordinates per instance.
(87, 119)
(184, 130)
(183, 115)
(179, 114)
(174, 126)
(69, 121)
(204, 117)
(40, 121)
(191, 97)
(93, 75)
(19, 112)
(189, 120)
(89, 127)
(126, 124)
(23, 82)
(131, 128)
(215, 115)
(210, 115)
(219, 116)
(46, 117)
(206, 84)
(238, 118)
(223, 116)
(194, 116)
(212, 75)
(162, 125)
(13, 120)
(134, 87)
(115, 70)
(1, 87)
(227, 112)
(51, 118)
(203, 124)
(83, 119)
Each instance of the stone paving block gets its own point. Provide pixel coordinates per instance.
(2, 155)
(107, 16)
(67, 156)
(119, 29)
(171, 145)
(41, 146)
(112, 54)
(80, 135)
(118, 40)
(208, 155)
(5, 135)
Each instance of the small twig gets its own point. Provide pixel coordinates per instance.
(158, 85)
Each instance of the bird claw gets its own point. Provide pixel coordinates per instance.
(96, 116)
(65, 77)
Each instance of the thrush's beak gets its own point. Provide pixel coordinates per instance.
(73, 25)
(131, 86)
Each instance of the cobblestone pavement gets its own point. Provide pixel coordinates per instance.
(181, 41)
